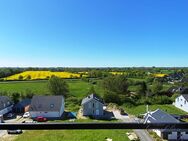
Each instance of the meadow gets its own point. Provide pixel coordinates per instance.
(77, 87)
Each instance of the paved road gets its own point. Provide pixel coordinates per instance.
(142, 134)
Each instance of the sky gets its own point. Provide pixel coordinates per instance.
(93, 33)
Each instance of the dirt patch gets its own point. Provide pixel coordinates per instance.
(80, 114)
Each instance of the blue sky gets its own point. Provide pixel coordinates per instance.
(93, 33)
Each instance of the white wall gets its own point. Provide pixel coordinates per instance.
(172, 136)
(184, 136)
(45, 114)
(181, 103)
(62, 107)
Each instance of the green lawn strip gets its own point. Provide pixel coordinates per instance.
(73, 135)
(141, 109)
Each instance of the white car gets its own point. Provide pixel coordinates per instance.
(26, 115)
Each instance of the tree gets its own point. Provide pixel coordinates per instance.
(58, 86)
(15, 97)
(28, 77)
(115, 88)
(91, 90)
(156, 87)
(20, 77)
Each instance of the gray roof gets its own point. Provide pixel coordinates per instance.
(46, 103)
(92, 96)
(159, 116)
(185, 96)
(5, 102)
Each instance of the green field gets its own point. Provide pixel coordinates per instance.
(73, 135)
(77, 88)
(141, 109)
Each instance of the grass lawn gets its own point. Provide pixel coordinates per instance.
(73, 135)
(141, 109)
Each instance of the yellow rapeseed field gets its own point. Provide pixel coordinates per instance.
(34, 75)
(160, 75)
(117, 73)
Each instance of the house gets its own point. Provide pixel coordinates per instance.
(159, 116)
(5, 105)
(47, 106)
(92, 106)
(181, 102)
(22, 106)
(180, 89)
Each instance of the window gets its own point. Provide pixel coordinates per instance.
(51, 105)
(93, 105)
(178, 99)
(97, 105)
(185, 102)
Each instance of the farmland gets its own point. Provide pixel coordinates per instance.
(40, 75)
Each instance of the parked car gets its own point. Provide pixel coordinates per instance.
(16, 131)
(10, 115)
(41, 119)
(26, 115)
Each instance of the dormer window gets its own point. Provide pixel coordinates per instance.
(51, 105)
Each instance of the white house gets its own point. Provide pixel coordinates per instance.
(181, 102)
(47, 106)
(160, 116)
(5, 105)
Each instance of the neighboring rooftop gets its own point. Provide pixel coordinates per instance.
(5, 102)
(92, 96)
(159, 116)
(24, 102)
(185, 96)
(46, 103)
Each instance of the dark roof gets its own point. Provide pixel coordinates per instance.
(46, 103)
(23, 103)
(5, 102)
(92, 96)
(185, 96)
(159, 116)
